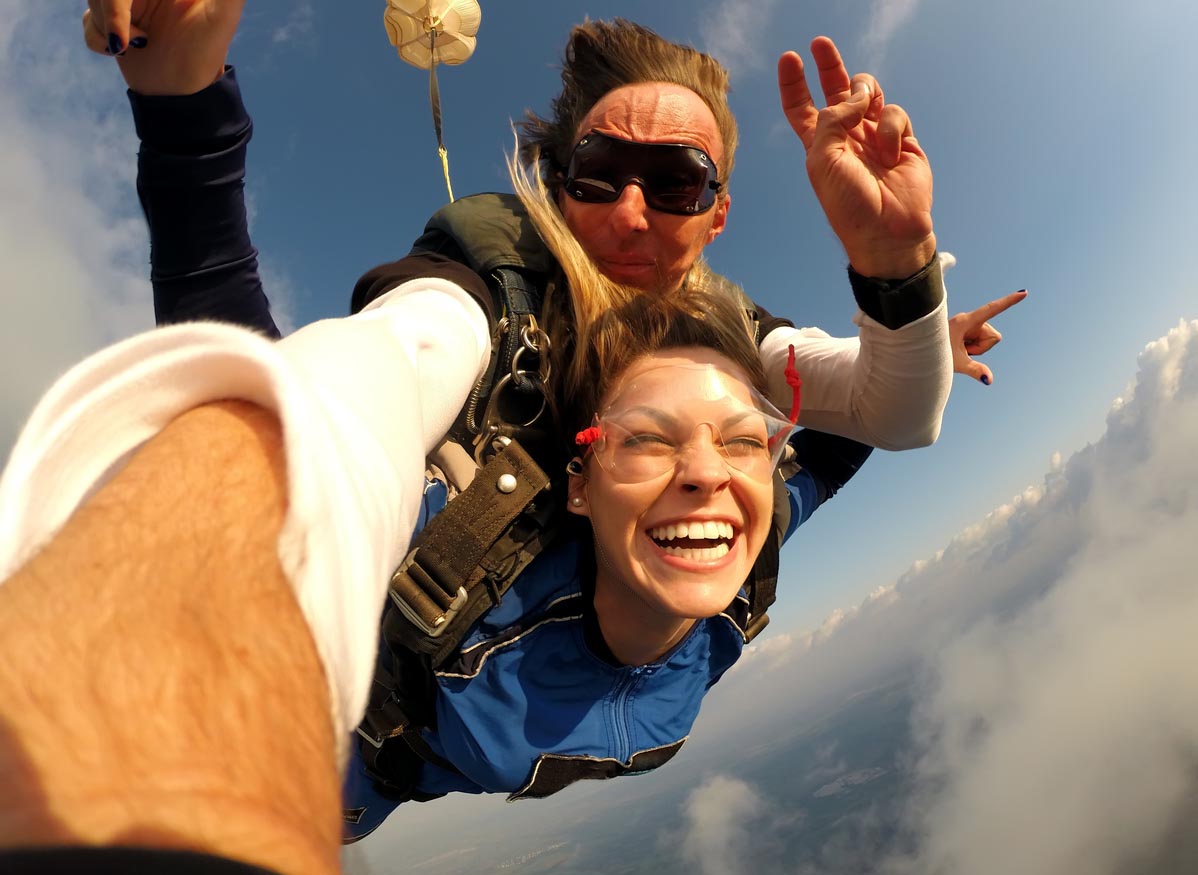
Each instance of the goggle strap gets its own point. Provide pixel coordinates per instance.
(588, 436)
(796, 384)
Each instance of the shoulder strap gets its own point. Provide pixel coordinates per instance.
(489, 230)
(469, 554)
(762, 584)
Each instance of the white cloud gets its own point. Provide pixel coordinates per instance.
(733, 33)
(726, 825)
(72, 243)
(1073, 720)
(885, 18)
(298, 25)
(74, 253)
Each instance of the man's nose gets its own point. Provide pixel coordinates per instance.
(629, 212)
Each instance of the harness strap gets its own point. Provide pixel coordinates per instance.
(763, 579)
(463, 561)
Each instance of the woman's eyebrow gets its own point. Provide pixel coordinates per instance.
(666, 419)
(660, 416)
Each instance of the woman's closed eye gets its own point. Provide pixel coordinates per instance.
(746, 445)
(648, 442)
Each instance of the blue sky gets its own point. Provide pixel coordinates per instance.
(1060, 135)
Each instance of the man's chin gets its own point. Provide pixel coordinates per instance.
(640, 275)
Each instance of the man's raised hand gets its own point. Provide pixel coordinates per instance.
(872, 178)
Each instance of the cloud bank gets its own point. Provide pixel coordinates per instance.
(72, 242)
(74, 251)
(1049, 651)
(1063, 736)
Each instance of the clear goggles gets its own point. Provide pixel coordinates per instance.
(674, 178)
(668, 413)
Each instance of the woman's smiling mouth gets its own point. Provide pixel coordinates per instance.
(696, 540)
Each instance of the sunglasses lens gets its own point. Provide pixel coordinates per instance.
(678, 186)
(674, 179)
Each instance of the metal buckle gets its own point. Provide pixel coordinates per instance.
(441, 622)
(370, 739)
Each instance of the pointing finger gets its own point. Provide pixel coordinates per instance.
(986, 312)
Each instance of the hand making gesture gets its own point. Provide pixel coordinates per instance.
(164, 46)
(971, 334)
(872, 179)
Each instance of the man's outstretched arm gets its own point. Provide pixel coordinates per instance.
(160, 683)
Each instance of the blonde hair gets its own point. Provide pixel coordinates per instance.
(598, 327)
(602, 56)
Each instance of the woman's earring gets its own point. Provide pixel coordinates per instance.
(576, 501)
(575, 467)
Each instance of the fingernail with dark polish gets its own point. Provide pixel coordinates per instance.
(985, 380)
(139, 42)
(115, 46)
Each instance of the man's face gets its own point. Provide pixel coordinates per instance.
(629, 242)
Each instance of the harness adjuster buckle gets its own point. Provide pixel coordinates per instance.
(436, 624)
(369, 737)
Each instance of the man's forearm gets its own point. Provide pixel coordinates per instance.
(160, 682)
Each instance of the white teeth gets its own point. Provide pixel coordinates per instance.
(699, 554)
(697, 530)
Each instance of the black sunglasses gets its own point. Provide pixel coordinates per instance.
(674, 178)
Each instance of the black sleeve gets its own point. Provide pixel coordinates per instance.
(121, 861)
(895, 303)
(385, 277)
(767, 321)
(190, 180)
(831, 460)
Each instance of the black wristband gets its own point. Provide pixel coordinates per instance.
(121, 861)
(205, 121)
(895, 303)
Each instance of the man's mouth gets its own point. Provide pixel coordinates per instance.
(697, 540)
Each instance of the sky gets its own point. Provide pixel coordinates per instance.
(1061, 138)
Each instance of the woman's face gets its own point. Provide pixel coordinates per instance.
(680, 509)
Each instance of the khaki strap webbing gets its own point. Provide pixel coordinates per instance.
(433, 583)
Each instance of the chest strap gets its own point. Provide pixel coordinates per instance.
(468, 555)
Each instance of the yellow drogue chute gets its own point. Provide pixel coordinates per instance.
(426, 33)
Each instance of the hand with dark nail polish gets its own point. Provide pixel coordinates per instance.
(181, 46)
(970, 334)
